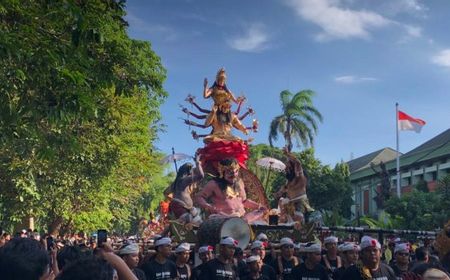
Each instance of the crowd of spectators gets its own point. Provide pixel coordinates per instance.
(28, 256)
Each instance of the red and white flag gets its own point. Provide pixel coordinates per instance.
(406, 122)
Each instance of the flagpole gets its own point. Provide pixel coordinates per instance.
(398, 151)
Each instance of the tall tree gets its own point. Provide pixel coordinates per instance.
(79, 110)
(298, 120)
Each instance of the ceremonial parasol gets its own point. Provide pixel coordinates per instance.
(271, 164)
(175, 157)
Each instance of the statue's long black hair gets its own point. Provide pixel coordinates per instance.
(185, 169)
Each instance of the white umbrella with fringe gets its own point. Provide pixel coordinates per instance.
(174, 157)
(271, 164)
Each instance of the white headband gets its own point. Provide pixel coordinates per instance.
(368, 241)
(163, 241)
(330, 239)
(257, 244)
(262, 236)
(286, 241)
(401, 247)
(348, 246)
(205, 249)
(229, 241)
(253, 258)
(132, 248)
(313, 248)
(183, 247)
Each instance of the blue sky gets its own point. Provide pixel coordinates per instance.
(359, 56)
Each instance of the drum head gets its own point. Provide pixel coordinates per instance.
(238, 229)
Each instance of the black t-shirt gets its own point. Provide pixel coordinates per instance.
(155, 271)
(398, 272)
(333, 263)
(301, 272)
(196, 271)
(140, 275)
(217, 270)
(261, 277)
(184, 272)
(241, 268)
(338, 273)
(269, 272)
(383, 272)
(268, 259)
(266, 270)
(286, 266)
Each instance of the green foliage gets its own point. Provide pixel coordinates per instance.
(421, 186)
(442, 214)
(420, 210)
(79, 109)
(333, 218)
(328, 188)
(383, 221)
(298, 120)
(415, 210)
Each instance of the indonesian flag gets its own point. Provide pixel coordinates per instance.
(406, 122)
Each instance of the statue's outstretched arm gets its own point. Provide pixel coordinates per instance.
(200, 108)
(249, 112)
(238, 125)
(197, 136)
(185, 110)
(206, 91)
(189, 122)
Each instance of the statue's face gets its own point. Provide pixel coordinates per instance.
(231, 174)
(221, 80)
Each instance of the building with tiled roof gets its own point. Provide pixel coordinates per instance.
(428, 162)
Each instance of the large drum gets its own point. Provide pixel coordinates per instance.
(212, 230)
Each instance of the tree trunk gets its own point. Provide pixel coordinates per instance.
(26, 223)
(287, 134)
(55, 226)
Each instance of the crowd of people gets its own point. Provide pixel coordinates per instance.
(27, 256)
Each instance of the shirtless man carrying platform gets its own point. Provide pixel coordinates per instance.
(295, 187)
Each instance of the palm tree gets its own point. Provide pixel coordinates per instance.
(298, 121)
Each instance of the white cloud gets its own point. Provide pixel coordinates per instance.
(151, 29)
(413, 31)
(413, 7)
(442, 58)
(254, 39)
(351, 79)
(337, 22)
